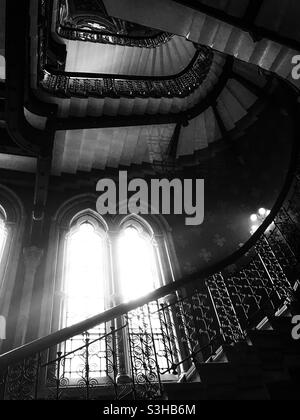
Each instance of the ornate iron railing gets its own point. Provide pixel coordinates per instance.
(63, 85)
(153, 344)
(112, 31)
(137, 348)
(134, 355)
(74, 34)
(55, 81)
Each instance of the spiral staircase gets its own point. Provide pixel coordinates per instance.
(187, 124)
(236, 103)
(126, 146)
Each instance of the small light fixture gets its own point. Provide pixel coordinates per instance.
(258, 219)
(254, 218)
(262, 212)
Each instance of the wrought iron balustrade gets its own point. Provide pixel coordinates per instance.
(75, 34)
(63, 85)
(53, 79)
(137, 348)
(101, 28)
(155, 343)
(133, 355)
(284, 235)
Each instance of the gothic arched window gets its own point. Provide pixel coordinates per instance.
(12, 226)
(138, 262)
(86, 286)
(3, 233)
(105, 265)
(3, 239)
(85, 273)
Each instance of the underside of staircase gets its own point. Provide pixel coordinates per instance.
(227, 35)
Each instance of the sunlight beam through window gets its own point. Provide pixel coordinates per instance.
(85, 273)
(137, 264)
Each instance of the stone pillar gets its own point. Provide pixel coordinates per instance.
(162, 261)
(32, 259)
(2, 328)
(121, 339)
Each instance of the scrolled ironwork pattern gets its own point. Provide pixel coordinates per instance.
(282, 250)
(3, 375)
(82, 372)
(198, 322)
(169, 338)
(131, 357)
(229, 322)
(289, 228)
(21, 380)
(183, 85)
(53, 80)
(74, 34)
(251, 290)
(90, 23)
(274, 270)
(143, 345)
(284, 235)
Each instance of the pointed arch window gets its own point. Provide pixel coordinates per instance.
(86, 273)
(3, 242)
(85, 290)
(139, 273)
(102, 268)
(3, 233)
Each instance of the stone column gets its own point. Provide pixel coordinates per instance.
(32, 258)
(121, 339)
(162, 261)
(2, 328)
